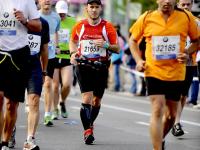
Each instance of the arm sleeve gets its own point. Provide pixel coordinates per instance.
(193, 27)
(32, 10)
(75, 32)
(58, 25)
(137, 29)
(45, 32)
(198, 25)
(111, 33)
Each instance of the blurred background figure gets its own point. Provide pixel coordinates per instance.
(63, 73)
(116, 74)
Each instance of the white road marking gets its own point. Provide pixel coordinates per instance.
(132, 99)
(142, 101)
(147, 124)
(78, 108)
(135, 112)
(143, 123)
(126, 110)
(191, 123)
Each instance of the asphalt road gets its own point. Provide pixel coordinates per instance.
(123, 124)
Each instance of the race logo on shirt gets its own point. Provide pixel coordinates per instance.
(90, 50)
(34, 42)
(7, 25)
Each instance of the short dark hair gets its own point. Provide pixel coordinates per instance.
(94, 1)
(191, 1)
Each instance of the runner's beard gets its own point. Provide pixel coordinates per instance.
(95, 18)
(167, 9)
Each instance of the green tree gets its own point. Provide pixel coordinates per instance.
(146, 4)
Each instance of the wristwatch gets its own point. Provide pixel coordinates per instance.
(106, 45)
(25, 23)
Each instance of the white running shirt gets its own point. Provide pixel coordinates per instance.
(13, 34)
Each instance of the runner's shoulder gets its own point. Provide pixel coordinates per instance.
(145, 15)
(185, 12)
(44, 22)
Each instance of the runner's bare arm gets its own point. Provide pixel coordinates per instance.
(114, 48)
(111, 47)
(134, 48)
(73, 50)
(44, 56)
(193, 47)
(32, 25)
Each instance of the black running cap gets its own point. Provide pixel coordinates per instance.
(94, 1)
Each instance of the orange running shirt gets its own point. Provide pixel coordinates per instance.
(164, 40)
(84, 34)
(192, 59)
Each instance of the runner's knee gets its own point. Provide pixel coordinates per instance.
(33, 100)
(12, 106)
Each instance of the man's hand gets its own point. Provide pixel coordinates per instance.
(20, 16)
(73, 58)
(58, 50)
(182, 57)
(140, 65)
(99, 42)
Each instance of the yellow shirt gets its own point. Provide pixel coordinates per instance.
(164, 40)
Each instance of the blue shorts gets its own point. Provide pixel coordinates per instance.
(35, 80)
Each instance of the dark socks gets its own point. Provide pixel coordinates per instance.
(94, 113)
(85, 114)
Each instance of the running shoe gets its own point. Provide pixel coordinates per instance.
(177, 130)
(55, 114)
(5, 148)
(12, 142)
(88, 136)
(197, 106)
(48, 121)
(63, 110)
(30, 144)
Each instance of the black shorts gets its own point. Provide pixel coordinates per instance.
(35, 80)
(15, 73)
(171, 89)
(198, 70)
(190, 70)
(51, 67)
(90, 79)
(60, 63)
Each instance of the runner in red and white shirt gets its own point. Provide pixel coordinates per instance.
(93, 40)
